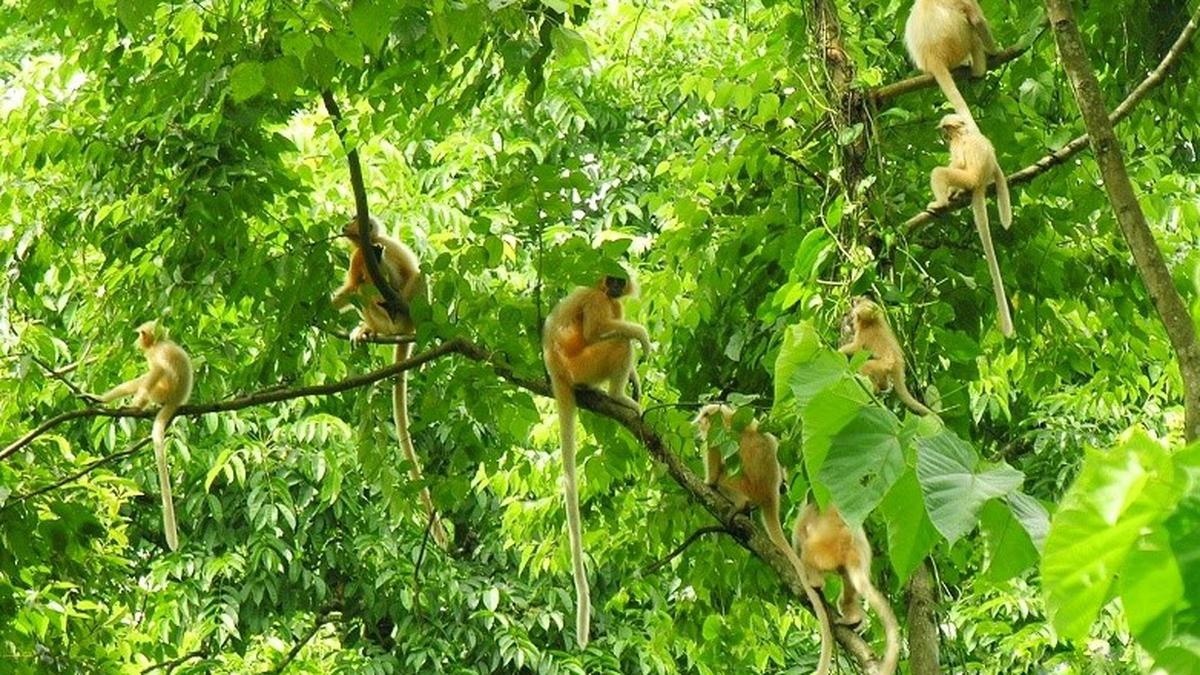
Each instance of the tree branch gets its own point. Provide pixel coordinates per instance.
(1060, 156)
(274, 395)
(659, 564)
(885, 93)
(1147, 257)
(392, 300)
(107, 459)
(321, 620)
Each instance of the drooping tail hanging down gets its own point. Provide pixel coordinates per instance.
(400, 417)
(564, 398)
(979, 205)
(159, 434)
(770, 518)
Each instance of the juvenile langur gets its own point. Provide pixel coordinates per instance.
(886, 366)
(825, 543)
(759, 484)
(167, 382)
(587, 342)
(973, 167)
(943, 34)
(402, 271)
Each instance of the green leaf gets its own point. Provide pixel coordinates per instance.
(247, 80)
(371, 21)
(954, 491)
(864, 461)
(910, 534)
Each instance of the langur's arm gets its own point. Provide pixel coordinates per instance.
(598, 326)
(979, 22)
(121, 390)
(354, 277)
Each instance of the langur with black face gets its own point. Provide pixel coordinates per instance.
(587, 342)
(167, 382)
(973, 167)
(826, 544)
(402, 271)
(759, 485)
(943, 34)
(885, 368)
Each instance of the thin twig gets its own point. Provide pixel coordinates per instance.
(321, 620)
(107, 459)
(659, 564)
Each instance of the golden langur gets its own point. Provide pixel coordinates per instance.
(759, 484)
(973, 167)
(402, 271)
(825, 543)
(587, 342)
(943, 34)
(167, 382)
(886, 365)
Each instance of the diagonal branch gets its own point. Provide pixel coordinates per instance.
(1077, 145)
(392, 301)
(107, 459)
(678, 551)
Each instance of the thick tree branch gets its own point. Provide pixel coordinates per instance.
(887, 92)
(1146, 254)
(923, 644)
(392, 300)
(1060, 156)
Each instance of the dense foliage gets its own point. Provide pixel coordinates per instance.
(174, 160)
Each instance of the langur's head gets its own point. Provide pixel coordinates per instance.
(865, 310)
(147, 334)
(953, 125)
(703, 419)
(617, 287)
(350, 230)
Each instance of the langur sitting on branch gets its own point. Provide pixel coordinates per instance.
(167, 382)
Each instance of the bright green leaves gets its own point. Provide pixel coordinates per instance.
(1127, 528)
(370, 22)
(246, 80)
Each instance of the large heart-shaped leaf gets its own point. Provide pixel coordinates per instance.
(954, 490)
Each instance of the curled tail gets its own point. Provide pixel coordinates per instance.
(564, 398)
(901, 387)
(775, 533)
(883, 608)
(400, 417)
(979, 204)
(161, 421)
(945, 80)
(1003, 199)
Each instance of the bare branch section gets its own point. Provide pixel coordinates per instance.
(740, 526)
(888, 92)
(678, 551)
(392, 301)
(1147, 256)
(1060, 156)
(107, 459)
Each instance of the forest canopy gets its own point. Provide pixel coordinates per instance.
(367, 475)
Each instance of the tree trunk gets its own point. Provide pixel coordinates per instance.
(1146, 254)
(922, 623)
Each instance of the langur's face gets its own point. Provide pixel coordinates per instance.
(951, 126)
(865, 309)
(615, 287)
(145, 333)
(350, 230)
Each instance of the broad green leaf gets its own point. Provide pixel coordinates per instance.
(864, 461)
(247, 80)
(910, 534)
(954, 488)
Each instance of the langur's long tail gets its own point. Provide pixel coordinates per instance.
(883, 608)
(775, 533)
(564, 398)
(1003, 199)
(400, 416)
(979, 205)
(945, 80)
(898, 383)
(159, 434)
